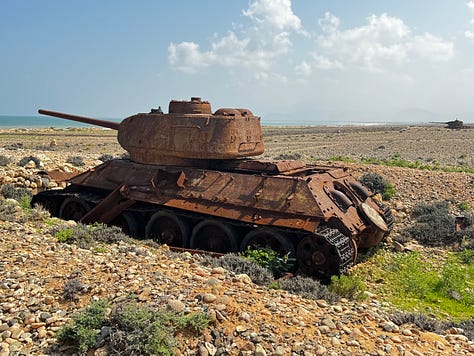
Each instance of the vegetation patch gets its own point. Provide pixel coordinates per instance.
(16, 206)
(396, 161)
(307, 288)
(348, 286)
(269, 259)
(5, 160)
(8, 210)
(88, 236)
(25, 160)
(240, 265)
(9, 191)
(288, 156)
(435, 226)
(76, 161)
(130, 329)
(342, 159)
(416, 282)
(105, 157)
(379, 185)
(83, 330)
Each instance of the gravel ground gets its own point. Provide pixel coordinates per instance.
(248, 319)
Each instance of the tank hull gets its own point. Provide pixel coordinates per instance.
(319, 215)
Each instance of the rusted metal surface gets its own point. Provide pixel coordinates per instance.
(110, 207)
(60, 176)
(86, 120)
(299, 202)
(189, 132)
(186, 184)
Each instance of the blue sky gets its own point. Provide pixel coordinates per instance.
(291, 61)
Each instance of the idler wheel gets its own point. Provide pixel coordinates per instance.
(73, 208)
(130, 223)
(374, 217)
(211, 235)
(269, 239)
(167, 228)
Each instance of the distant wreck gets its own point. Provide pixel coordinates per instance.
(454, 124)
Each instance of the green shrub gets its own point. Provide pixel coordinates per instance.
(9, 191)
(422, 321)
(342, 159)
(308, 288)
(105, 157)
(377, 184)
(269, 259)
(464, 206)
(288, 156)
(131, 329)
(434, 225)
(350, 287)
(87, 236)
(232, 262)
(8, 211)
(25, 201)
(83, 330)
(71, 288)
(25, 160)
(5, 160)
(143, 330)
(77, 161)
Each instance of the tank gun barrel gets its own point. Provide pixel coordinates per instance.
(87, 120)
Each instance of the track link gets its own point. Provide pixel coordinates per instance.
(343, 246)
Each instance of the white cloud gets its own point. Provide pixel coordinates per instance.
(263, 40)
(469, 33)
(329, 23)
(187, 57)
(383, 42)
(257, 46)
(303, 69)
(274, 13)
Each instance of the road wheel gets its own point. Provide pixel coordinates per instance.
(268, 239)
(130, 223)
(167, 228)
(73, 208)
(210, 235)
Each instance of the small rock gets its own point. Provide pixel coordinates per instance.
(352, 343)
(280, 351)
(176, 305)
(390, 327)
(211, 349)
(209, 298)
(259, 351)
(396, 339)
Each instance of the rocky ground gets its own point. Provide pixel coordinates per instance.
(248, 319)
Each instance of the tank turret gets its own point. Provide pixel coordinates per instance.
(188, 132)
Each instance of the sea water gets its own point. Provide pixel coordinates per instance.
(30, 122)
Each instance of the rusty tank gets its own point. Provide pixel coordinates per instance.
(190, 182)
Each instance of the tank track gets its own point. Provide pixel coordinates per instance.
(343, 246)
(388, 217)
(340, 262)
